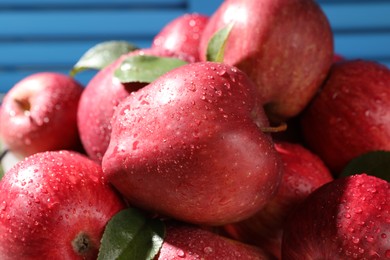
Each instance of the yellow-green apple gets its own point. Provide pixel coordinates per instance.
(285, 47)
(191, 146)
(188, 242)
(55, 205)
(39, 113)
(347, 218)
(351, 114)
(182, 35)
(99, 100)
(303, 173)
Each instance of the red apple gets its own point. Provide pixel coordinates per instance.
(285, 46)
(351, 114)
(54, 205)
(99, 99)
(348, 218)
(190, 146)
(188, 242)
(182, 35)
(303, 173)
(39, 114)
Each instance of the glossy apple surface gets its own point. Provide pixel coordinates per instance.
(303, 172)
(54, 205)
(347, 218)
(190, 146)
(351, 114)
(39, 113)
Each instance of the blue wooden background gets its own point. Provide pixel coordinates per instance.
(50, 35)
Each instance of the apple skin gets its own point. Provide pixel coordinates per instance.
(39, 113)
(285, 47)
(188, 242)
(50, 199)
(303, 173)
(99, 100)
(351, 114)
(193, 139)
(347, 218)
(182, 35)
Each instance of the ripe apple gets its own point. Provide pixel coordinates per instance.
(184, 241)
(39, 113)
(347, 218)
(285, 47)
(351, 114)
(54, 205)
(190, 146)
(182, 35)
(99, 100)
(303, 173)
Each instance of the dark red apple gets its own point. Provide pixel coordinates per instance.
(39, 114)
(55, 205)
(351, 114)
(285, 46)
(99, 99)
(190, 146)
(303, 173)
(348, 218)
(188, 242)
(182, 35)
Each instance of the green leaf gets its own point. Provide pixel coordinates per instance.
(217, 44)
(102, 54)
(376, 163)
(145, 68)
(131, 235)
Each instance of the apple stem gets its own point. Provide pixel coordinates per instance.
(3, 153)
(275, 129)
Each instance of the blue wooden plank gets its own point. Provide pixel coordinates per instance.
(15, 54)
(204, 7)
(10, 78)
(22, 3)
(63, 24)
(361, 16)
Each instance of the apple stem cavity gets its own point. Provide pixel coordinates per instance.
(24, 104)
(82, 244)
(274, 129)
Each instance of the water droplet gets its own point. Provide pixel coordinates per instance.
(207, 250)
(181, 253)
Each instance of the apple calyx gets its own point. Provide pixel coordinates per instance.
(82, 244)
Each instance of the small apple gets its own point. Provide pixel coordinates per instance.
(182, 35)
(347, 218)
(99, 100)
(39, 114)
(303, 173)
(54, 205)
(190, 146)
(351, 114)
(184, 241)
(285, 47)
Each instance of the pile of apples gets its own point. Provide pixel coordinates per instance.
(228, 138)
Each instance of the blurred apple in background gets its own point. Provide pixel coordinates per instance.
(347, 218)
(285, 47)
(193, 139)
(39, 114)
(182, 35)
(303, 173)
(351, 114)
